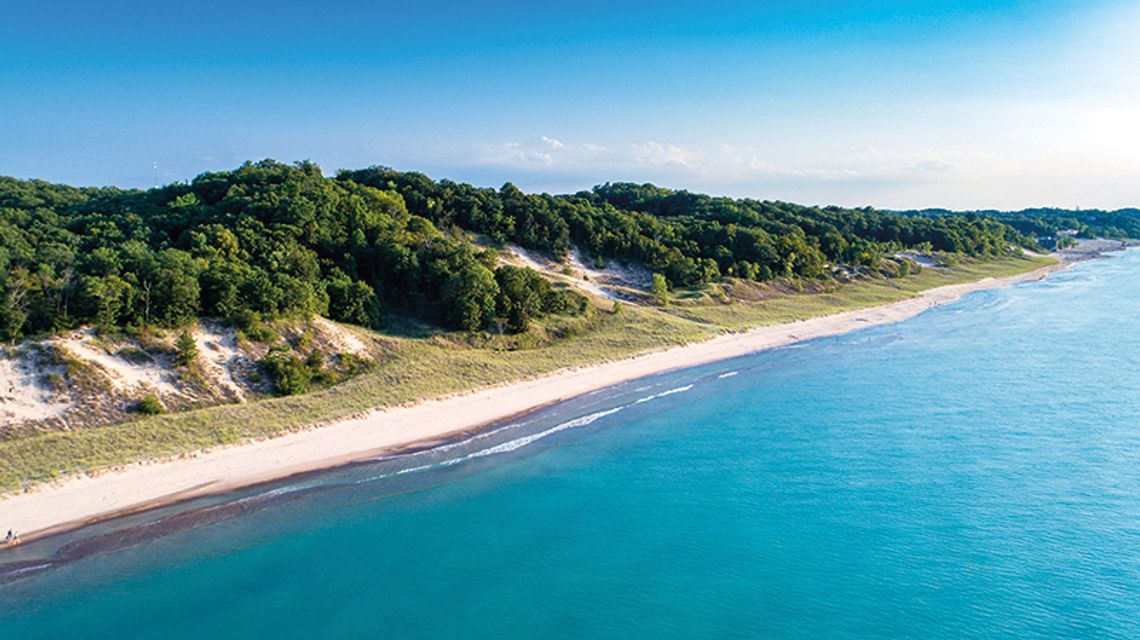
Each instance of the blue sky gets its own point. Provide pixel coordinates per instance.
(892, 103)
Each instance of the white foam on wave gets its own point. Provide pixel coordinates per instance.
(270, 494)
(727, 375)
(422, 467)
(505, 447)
(482, 435)
(518, 443)
(448, 446)
(34, 567)
(664, 393)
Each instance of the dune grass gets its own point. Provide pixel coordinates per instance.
(422, 364)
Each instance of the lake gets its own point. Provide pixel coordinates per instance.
(973, 472)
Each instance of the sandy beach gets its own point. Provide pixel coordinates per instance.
(77, 501)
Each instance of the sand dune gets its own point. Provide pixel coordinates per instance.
(123, 375)
(24, 394)
(72, 502)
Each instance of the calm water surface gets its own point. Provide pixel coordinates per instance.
(973, 472)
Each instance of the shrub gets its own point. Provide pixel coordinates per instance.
(290, 375)
(304, 341)
(315, 361)
(149, 406)
(660, 290)
(352, 364)
(252, 327)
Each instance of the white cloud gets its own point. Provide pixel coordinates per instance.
(1085, 158)
(513, 153)
(719, 166)
(656, 153)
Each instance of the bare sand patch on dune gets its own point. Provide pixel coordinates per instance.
(25, 394)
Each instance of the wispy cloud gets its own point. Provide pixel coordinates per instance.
(720, 164)
(890, 173)
(517, 153)
(657, 154)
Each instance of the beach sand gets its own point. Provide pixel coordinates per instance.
(71, 503)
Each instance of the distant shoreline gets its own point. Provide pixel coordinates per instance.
(80, 501)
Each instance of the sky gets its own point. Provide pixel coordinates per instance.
(962, 104)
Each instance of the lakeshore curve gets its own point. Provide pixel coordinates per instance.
(78, 501)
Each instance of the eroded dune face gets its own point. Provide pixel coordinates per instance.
(614, 281)
(122, 369)
(343, 340)
(221, 359)
(83, 379)
(26, 393)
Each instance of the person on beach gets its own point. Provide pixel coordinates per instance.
(12, 537)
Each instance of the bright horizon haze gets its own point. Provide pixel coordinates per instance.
(961, 104)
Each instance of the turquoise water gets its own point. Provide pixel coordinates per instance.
(973, 472)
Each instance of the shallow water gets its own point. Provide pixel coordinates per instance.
(971, 472)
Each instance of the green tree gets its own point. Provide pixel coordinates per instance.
(17, 292)
(185, 349)
(660, 290)
(177, 288)
(520, 296)
(353, 301)
(470, 298)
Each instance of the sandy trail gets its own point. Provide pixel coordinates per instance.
(73, 502)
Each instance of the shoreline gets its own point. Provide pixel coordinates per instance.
(75, 502)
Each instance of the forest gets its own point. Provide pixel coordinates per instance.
(690, 238)
(1045, 225)
(270, 240)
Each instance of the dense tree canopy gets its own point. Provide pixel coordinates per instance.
(267, 239)
(1047, 225)
(270, 239)
(690, 238)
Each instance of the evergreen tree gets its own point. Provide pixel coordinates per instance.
(185, 349)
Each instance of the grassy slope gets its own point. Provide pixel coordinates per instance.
(433, 365)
